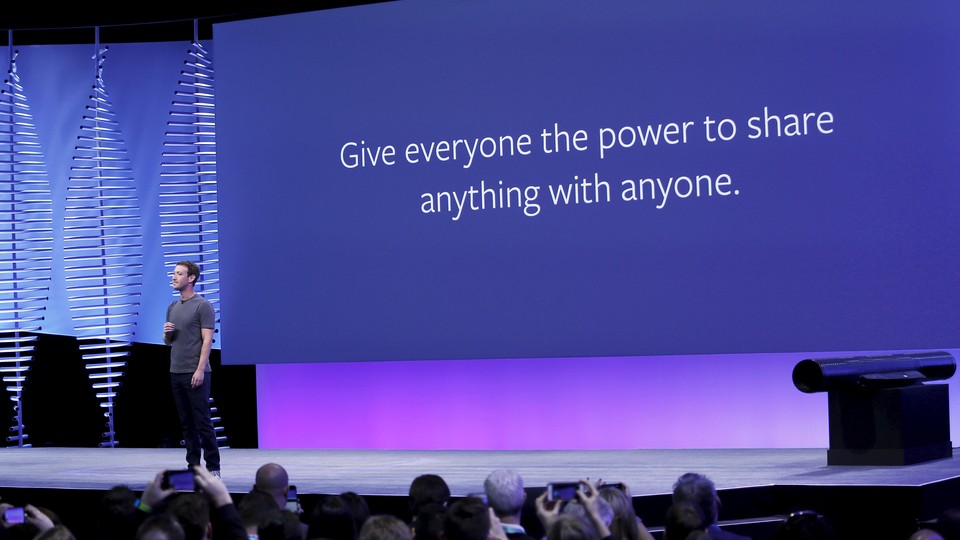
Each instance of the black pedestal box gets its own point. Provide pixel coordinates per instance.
(889, 426)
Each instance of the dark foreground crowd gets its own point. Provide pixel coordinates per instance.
(586, 510)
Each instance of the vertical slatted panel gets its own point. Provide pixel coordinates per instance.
(103, 248)
(26, 242)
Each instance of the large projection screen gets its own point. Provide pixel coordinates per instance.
(546, 179)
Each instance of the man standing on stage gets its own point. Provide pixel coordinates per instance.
(189, 332)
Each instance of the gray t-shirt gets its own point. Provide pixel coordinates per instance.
(189, 316)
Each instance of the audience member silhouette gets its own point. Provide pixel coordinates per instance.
(332, 519)
(925, 534)
(428, 525)
(358, 507)
(207, 512)
(571, 527)
(948, 524)
(558, 525)
(467, 519)
(160, 527)
(626, 525)
(117, 514)
(253, 507)
(428, 493)
(506, 496)
(272, 478)
(682, 518)
(604, 510)
(193, 513)
(280, 524)
(385, 527)
(699, 490)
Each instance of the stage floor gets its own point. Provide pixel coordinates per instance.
(389, 473)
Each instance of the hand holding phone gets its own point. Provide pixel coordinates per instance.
(563, 491)
(15, 515)
(293, 502)
(180, 480)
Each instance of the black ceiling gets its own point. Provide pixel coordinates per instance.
(136, 21)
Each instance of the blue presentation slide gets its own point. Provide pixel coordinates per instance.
(560, 178)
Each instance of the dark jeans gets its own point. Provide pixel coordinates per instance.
(193, 406)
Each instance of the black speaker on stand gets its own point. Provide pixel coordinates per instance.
(880, 410)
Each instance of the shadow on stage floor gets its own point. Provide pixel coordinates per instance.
(757, 486)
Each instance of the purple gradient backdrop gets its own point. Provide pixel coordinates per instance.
(715, 401)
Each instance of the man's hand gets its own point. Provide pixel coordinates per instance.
(154, 493)
(588, 497)
(213, 487)
(547, 511)
(169, 329)
(197, 378)
(37, 518)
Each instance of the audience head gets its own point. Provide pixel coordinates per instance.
(428, 493)
(571, 527)
(332, 519)
(926, 534)
(505, 494)
(160, 527)
(466, 519)
(280, 524)
(385, 527)
(428, 525)
(624, 525)
(699, 490)
(682, 518)
(358, 507)
(573, 507)
(273, 479)
(619, 501)
(116, 513)
(253, 507)
(948, 524)
(193, 513)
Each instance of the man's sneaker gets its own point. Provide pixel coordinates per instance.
(215, 473)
